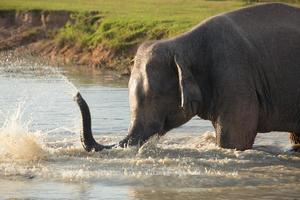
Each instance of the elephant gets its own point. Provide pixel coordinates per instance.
(240, 70)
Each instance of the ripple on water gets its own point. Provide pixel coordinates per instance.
(176, 160)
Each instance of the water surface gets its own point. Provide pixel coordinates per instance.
(41, 156)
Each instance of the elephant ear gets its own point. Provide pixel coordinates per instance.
(191, 97)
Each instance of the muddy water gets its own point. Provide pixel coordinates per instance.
(41, 157)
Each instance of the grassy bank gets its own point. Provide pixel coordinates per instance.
(122, 25)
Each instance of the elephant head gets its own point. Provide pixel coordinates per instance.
(162, 95)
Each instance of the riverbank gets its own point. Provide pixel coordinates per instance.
(103, 34)
(47, 34)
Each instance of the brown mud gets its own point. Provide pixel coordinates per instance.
(34, 32)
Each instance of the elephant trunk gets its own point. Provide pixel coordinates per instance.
(86, 136)
(138, 134)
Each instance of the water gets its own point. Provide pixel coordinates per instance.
(41, 156)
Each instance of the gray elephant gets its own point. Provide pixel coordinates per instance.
(240, 70)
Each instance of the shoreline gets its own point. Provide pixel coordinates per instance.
(34, 32)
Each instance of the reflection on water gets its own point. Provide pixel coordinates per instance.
(41, 155)
(81, 75)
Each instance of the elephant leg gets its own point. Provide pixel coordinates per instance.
(295, 140)
(237, 127)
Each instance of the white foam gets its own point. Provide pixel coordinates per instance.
(17, 142)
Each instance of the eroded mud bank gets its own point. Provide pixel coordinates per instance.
(35, 32)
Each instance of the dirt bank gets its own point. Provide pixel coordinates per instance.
(36, 31)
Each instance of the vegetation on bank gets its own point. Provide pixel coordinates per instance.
(122, 25)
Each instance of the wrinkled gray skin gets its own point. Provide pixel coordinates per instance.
(240, 70)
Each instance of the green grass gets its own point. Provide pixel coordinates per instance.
(121, 24)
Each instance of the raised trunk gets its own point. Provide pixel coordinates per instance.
(86, 136)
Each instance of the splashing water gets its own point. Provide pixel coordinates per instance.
(17, 142)
(14, 65)
(27, 80)
(43, 88)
